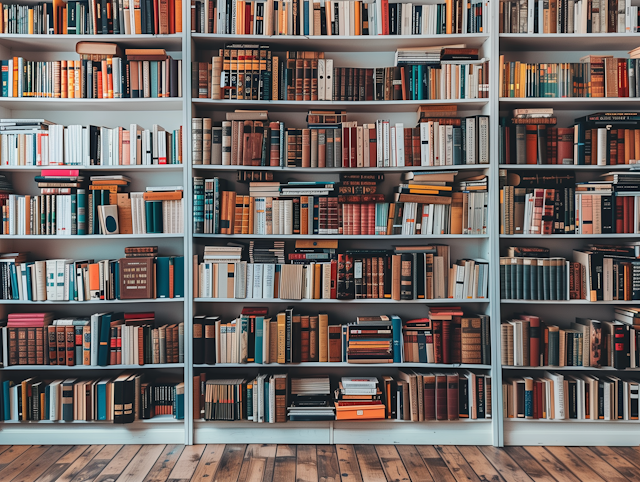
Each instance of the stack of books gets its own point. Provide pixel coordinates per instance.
(358, 398)
(265, 251)
(374, 339)
(311, 399)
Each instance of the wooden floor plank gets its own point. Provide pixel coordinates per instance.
(628, 453)
(4, 448)
(505, 466)
(457, 464)
(21, 463)
(417, 470)
(575, 465)
(479, 463)
(328, 467)
(551, 464)
(270, 462)
(141, 464)
(11, 454)
(230, 463)
(435, 464)
(97, 464)
(38, 467)
(370, 468)
(622, 465)
(78, 464)
(187, 463)
(209, 461)
(392, 464)
(597, 464)
(284, 469)
(529, 464)
(63, 463)
(165, 464)
(306, 463)
(255, 463)
(119, 462)
(348, 463)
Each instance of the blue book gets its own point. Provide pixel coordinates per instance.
(117, 280)
(178, 277)
(153, 74)
(81, 215)
(14, 281)
(259, 337)
(396, 327)
(47, 401)
(266, 400)
(420, 83)
(162, 276)
(306, 17)
(6, 399)
(104, 329)
(101, 397)
(28, 274)
(178, 411)
(5, 78)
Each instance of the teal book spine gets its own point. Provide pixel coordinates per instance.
(162, 276)
(148, 207)
(259, 338)
(81, 199)
(101, 396)
(420, 82)
(74, 214)
(396, 328)
(178, 277)
(153, 71)
(157, 217)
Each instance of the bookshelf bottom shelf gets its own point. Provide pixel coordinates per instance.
(567, 433)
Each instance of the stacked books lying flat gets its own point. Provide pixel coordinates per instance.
(597, 273)
(305, 17)
(311, 399)
(593, 76)
(122, 399)
(102, 339)
(318, 271)
(142, 274)
(102, 72)
(248, 138)
(599, 139)
(446, 336)
(254, 72)
(407, 395)
(65, 207)
(89, 18)
(38, 142)
(424, 204)
(554, 396)
(586, 342)
(555, 17)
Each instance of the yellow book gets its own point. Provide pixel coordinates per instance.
(432, 188)
(76, 79)
(282, 337)
(71, 92)
(30, 21)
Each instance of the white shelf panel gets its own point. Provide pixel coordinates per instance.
(564, 302)
(458, 366)
(67, 43)
(364, 106)
(249, 432)
(8, 237)
(569, 236)
(92, 302)
(363, 301)
(62, 368)
(128, 168)
(164, 419)
(92, 105)
(342, 43)
(571, 103)
(342, 236)
(578, 432)
(570, 167)
(572, 368)
(331, 170)
(567, 42)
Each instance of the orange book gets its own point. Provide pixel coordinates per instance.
(15, 76)
(531, 139)
(70, 79)
(99, 82)
(317, 281)
(105, 82)
(252, 208)
(64, 20)
(110, 78)
(360, 412)
(94, 281)
(245, 214)
(358, 25)
(162, 196)
(171, 277)
(76, 78)
(30, 22)
(304, 215)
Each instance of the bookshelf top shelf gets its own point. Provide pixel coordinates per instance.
(341, 43)
(569, 302)
(342, 236)
(570, 236)
(459, 366)
(571, 368)
(567, 42)
(8, 237)
(67, 43)
(364, 106)
(93, 302)
(92, 105)
(91, 367)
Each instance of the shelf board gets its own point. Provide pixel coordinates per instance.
(576, 368)
(91, 367)
(567, 420)
(364, 106)
(92, 105)
(570, 167)
(342, 43)
(570, 302)
(459, 366)
(569, 236)
(239, 423)
(91, 302)
(127, 168)
(571, 103)
(567, 42)
(342, 236)
(67, 43)
(444, 301)
(156, 419)
(331, 170)
(8, 237)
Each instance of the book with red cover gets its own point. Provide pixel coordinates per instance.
(441, 397)
(429, 382)
(452, 397)
(446, 341)
(534, 339)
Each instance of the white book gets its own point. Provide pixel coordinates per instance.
(258, 277)
(328, 86)
(399, 131)
(392, 147)
(268, 285)
(530, 10)
(249, 280)
(223, 274)
(321, 77)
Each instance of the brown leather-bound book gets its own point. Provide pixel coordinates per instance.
(196, 397)
(41, 346)
(198, 341)
(296, 335)
(304, 338)
(168, 344)
(437, 340)
(453, 410)
(31, 346)
(423, 199)
(456, 340)
(70, 345)
(313, 338)
(306, 79)
(155, 345)
(141, 346)
(531, 139)
(396, 265)
(446, 341)
(273, 341)
(252, 144)
(335, 343)
(299, 80)
(239, 208)
(281, 397)
(429, 383)
(323, 337)
(441, 396)
(136, 278)
(62, 345)
(13, 346)
(471, 340)
(52, 343)
(306, 148)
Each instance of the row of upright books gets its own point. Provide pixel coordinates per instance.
(407, 395)
(248, 138)
(121, 399)
(314, 18)
(553, 16)
(141, 275)
(102, 339)
(319, 271)
(419, 207)
(597, 273)
(445, 336)
(65, 207)
(555, 396)
(251, 72)
(38, 142)
(593, 76)
(101, 73)
(586, 342)
(92, 17)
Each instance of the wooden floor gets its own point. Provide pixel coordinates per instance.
(316, 463)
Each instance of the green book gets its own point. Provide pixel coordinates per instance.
(157, 217)
(81, 208)
(162, 276)
(148, 207)
(178, 276)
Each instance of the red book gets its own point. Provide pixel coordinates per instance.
(371, 208)
(353, 143)
(346, 149)
(53, 345)
(626, 213)
(429, 397)
(70, 337)
(453, 412)
(26, 324)
(139, 316)
(113, 344)
(437, 340)
(385, 16)
(28, 316)
(99, 84)
(247, 18)
(620, 225)
(446, 341)
(60, 172)
(334, 279)
(441, 397)
(534, 339)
